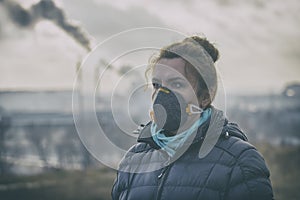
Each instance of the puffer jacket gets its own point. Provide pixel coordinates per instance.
(227, 168)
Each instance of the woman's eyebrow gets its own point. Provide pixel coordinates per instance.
(155, 80)
(169, 80)
(176, 78)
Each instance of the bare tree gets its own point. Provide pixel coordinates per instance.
(40, 137)
(67, 148)
(5, 124)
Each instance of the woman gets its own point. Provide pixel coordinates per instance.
(189, 150)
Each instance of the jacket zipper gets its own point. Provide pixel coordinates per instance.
(162, 178)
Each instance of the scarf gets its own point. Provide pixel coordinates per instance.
(171, 144)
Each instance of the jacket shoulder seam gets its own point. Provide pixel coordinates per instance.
(244, 146)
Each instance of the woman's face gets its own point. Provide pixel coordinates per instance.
(170, 73)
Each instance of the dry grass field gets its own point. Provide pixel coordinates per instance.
(283, 161)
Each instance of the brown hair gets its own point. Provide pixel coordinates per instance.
(200, 56)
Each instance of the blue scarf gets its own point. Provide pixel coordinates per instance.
(171, 144)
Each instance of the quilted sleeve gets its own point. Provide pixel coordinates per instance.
(115, 189)
(250, 178)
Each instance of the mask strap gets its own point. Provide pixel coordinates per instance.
(151, 112)
(193, 109)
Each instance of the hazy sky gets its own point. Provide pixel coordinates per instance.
(258, 39)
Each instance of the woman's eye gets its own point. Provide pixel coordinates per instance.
(177, 85)
(156, 85)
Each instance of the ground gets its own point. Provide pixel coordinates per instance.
(283, 162)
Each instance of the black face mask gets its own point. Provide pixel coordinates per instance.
(170, 111)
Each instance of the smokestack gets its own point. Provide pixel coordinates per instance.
(45, 9)
(17, 13)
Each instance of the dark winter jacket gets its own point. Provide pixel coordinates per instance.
(219, 164)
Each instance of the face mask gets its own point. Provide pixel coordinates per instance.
(170, 110)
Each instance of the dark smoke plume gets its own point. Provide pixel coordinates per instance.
(45, 9)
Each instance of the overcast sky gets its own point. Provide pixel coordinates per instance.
(258, 39)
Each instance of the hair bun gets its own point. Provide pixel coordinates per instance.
(210, 48)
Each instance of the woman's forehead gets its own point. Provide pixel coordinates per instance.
(169, 68)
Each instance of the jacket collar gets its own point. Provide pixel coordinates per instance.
(208, 133)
